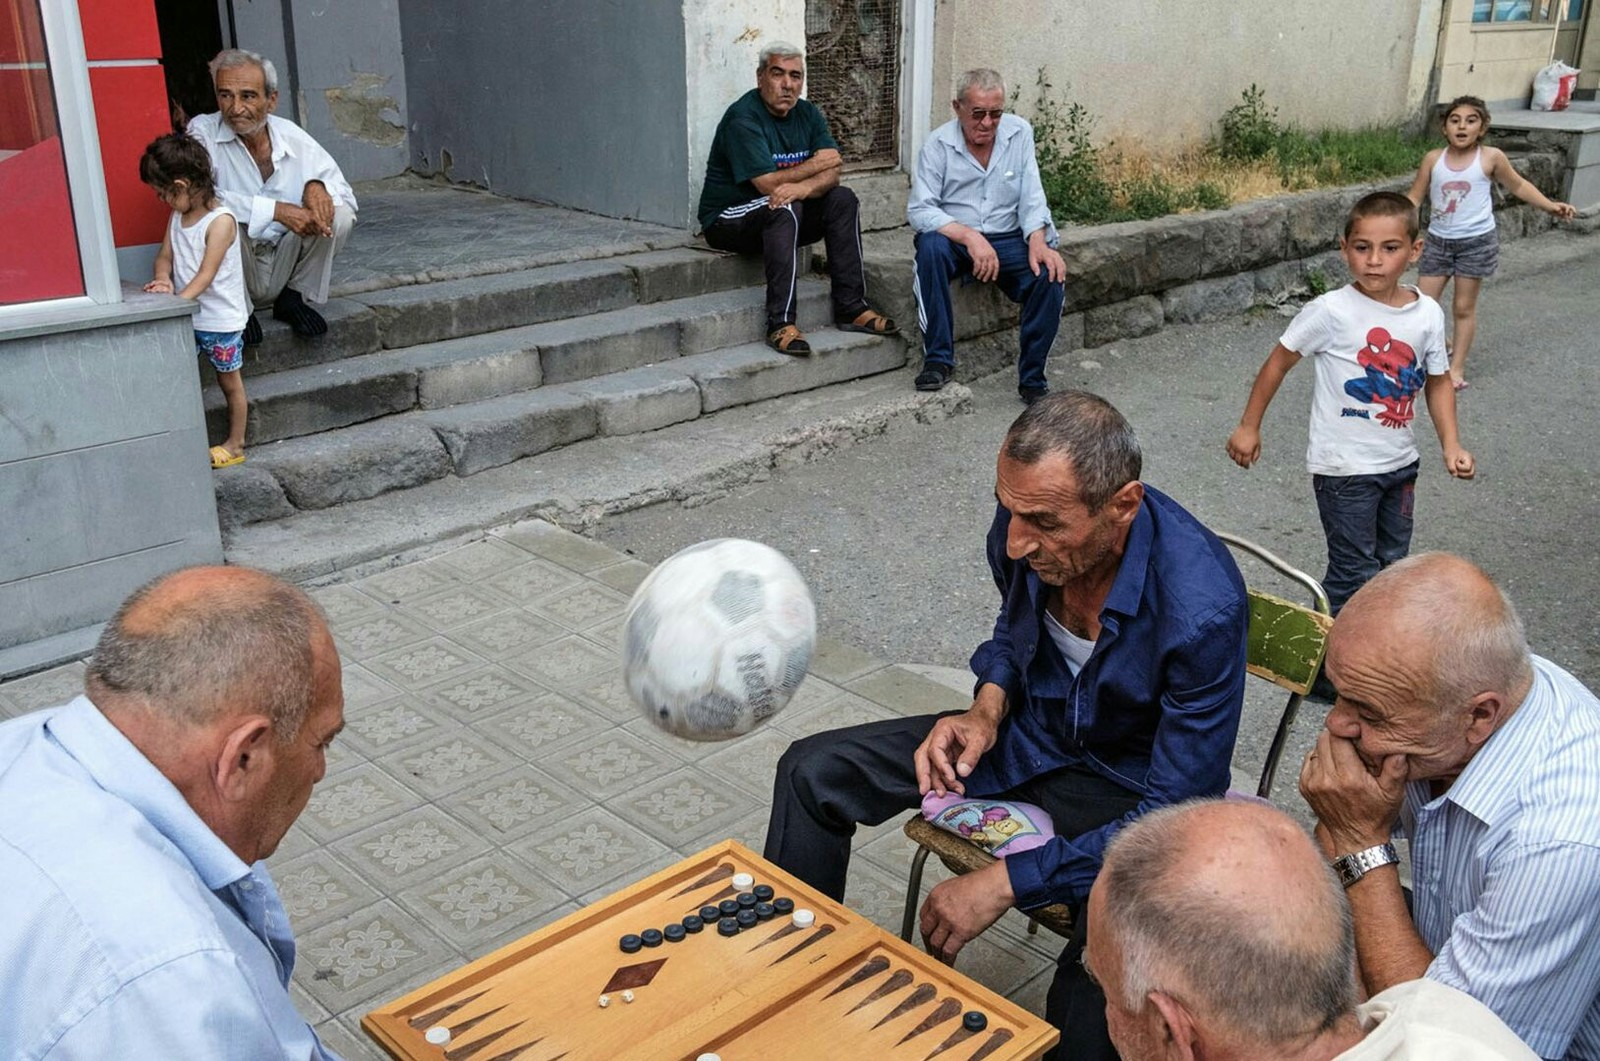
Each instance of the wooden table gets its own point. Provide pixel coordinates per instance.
(838, 988)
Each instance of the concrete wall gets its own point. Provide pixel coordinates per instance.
(104, 479)
(1495, 62)
(581, 105)
(1161, 75)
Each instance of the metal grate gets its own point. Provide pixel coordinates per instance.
(852, 74)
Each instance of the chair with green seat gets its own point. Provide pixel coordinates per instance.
(1286, 642)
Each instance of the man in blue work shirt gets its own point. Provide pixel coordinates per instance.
(1112, 685)
(979, 213)
(139, 919)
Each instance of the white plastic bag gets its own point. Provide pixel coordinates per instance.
(1552, 87)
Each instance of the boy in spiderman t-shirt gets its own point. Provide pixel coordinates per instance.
(1376, 343)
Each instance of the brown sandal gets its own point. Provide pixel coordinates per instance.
(789, 340)
(871, 322)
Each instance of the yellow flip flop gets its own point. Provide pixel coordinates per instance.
(221, 458)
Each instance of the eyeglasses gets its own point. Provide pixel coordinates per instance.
(978, 114)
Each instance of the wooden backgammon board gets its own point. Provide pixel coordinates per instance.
(779, 973)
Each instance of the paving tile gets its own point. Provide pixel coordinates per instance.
(295, 842)
(592, 849)
(892, 849)
(654, 863)
(750, 761)
(8, 707)
(409, 848)
(317, 888)
(347, 1043)
(398, 585)
(362, 688)
(1032, 995)
(685, 751)
(838, 662)
(345, 604)
(481, 691)
(455, 606)
(453, 760)
(50, 688)
(483, 559)
(508, 633)
(624, 577)
(364, 638)
(560, 546)
(608, 764)
(751, 831)
(997, 965)
(685, 810)
(358, 798)
(813, 692)
(876, 894)
(564, 663)
(543, 725)
(607, 634)
(472, 903)
(905, 693)
(844, 710)
(368, 956)
(539, 921)
(423, 663)
(305, 1005)
(339, 758)
(606, 694)
(516, 802)
(583, 606)
(380, 728)
(529, 582)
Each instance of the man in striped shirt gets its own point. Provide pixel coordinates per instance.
(1488, 759)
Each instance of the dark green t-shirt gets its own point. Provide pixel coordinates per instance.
(750, 142)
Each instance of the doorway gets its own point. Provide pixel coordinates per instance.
(191, 34)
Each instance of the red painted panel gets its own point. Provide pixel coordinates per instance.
(26, 113)
(38, 245)
(120, 29)
(21, 37)
(130, 109)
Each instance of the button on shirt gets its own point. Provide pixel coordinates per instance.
(1156, 706)
(1506, 870)
(130, 930)
(296, 159)
(1007, 196)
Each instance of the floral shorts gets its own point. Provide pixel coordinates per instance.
(1476, 257)
(225, 350)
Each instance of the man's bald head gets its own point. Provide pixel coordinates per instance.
(1465, 633)
(1228, 906)
(205, 643)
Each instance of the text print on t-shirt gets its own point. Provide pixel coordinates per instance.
(1392, 380)
(785, 159)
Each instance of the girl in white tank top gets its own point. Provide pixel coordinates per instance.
(199, 259)
(1462, 243)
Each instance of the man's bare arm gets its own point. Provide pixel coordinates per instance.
(823, 161)
(1388, 948)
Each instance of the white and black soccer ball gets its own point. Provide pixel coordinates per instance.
(717, 639)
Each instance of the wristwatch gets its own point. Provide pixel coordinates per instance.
(1353, 867)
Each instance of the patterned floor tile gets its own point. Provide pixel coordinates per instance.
(305, 1005)
(683, 750)
(409, 848)
(684, 810)
(340, 756)
(349, 1044)
(362, 688)
(607, 695)
(1031, 995)
(424, 663)
(484, 558)
(8, 708)
(345, 604)
(624, 577)
(438, 767)
(564, 664)
(317, 888)
(997, 964)
(589, 850)
(508, 633)
(876, 894)
(513, 935)
(295, 842)
(364, 638)
(535, 580)
(609, 764)
(607, 634)
(456, 606)
(399, 585)
(367, 957)
(846, 709)
(516, 802)
(381, 728)
(467, 694)
(585, 605)
(813, 692)
(892, 849)
(50, 688)
(751, 831)
(560, 546)
(655, 863)
(541, 726)
(469, 904)
(358, 798)
(750, 761)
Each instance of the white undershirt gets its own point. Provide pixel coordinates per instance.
(1076, 649)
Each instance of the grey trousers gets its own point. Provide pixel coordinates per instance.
(304, 263)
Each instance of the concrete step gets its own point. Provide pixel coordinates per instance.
(687, 463)
(883, 195)
(397, 452)
(324, 397)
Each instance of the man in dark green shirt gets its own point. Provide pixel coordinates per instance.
(772, 186)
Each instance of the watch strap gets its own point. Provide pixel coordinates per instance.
(1358, 864)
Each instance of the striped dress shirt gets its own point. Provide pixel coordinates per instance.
(1506, 870)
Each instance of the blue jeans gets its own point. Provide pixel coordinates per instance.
(939, 261)
(1367, 521)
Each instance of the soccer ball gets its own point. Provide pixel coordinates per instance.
(717, 639)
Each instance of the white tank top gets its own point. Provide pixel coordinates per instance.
(1461, 203)
(223, 306)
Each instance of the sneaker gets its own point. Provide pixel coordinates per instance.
(1029, 395)
(933, 376)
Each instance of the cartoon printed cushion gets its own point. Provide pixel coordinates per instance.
(999, 826)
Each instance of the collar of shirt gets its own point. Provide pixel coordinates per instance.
(121, 769)
(950, 134)
(279, 143)
(1487, 788)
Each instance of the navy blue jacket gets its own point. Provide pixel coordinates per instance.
(1156, 706)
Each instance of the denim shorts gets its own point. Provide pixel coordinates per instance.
(225, 350)
(1475, 257)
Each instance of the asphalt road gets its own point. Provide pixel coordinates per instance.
(889, 534)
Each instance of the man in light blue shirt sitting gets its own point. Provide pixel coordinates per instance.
(1487, 757)
(139, 920)
(979, 212)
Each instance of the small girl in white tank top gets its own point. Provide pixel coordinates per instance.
(1462, 242)
(199, 259)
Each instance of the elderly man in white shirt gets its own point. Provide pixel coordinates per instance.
(291, 200)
